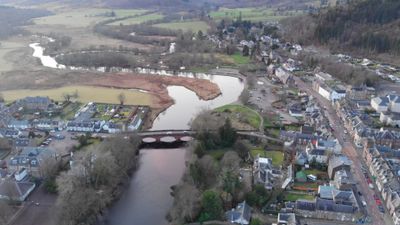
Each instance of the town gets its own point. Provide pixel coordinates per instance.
(216, 113)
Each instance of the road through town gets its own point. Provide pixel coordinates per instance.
(348, 149)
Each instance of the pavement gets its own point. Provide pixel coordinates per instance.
(377, 218)
(39, 208)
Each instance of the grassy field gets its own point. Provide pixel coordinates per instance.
(5, 48)
(253, 14)
(86, 94)
(194, 26)
(85, 17)
(239, 59)
(241, 113)
(139, 19)
(276, 156)
(293, 197)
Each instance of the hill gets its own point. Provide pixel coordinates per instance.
(362, 27)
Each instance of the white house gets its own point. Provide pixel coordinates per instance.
(337, 94)
(391, 119)
(386, 103)
(325, 92)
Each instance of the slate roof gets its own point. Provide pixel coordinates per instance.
(242, 211)
(325, 191)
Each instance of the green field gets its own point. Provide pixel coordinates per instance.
(86, 94)
(252, 14)
(241, 113)
(194, 26)
(139, 19)
(5, 48)
(293, 197)
(276, 156)
(239, 59)
(85, 17)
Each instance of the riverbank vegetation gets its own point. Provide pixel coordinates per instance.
(94, 180)
(240, 114)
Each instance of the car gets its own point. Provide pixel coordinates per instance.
(376, 197)
(378, 202)
(169, 132)
(381, 209)
(359, 193)
(37, 203)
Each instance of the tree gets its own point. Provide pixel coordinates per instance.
(121, 98)
(246, 50)
(242, 149)
(212, 205)
(256, 221)
(187, 204)
(227, 134)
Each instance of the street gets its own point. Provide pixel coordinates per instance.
(349, 150)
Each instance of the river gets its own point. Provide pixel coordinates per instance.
(147, 200)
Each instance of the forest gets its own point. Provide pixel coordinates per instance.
(362, 26)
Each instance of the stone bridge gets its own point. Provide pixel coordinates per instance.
(172, 136)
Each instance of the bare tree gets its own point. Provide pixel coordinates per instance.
(121, 98)
(187, 204)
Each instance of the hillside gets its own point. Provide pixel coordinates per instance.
(363, 27)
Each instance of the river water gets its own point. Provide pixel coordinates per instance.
(147, 199)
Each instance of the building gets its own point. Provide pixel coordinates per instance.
(264, 173)
(285, 77)
(239, 215)
(35, 103)
(336, 163)
(390, 119)
(323, 76)
(16, 191)
(287, 219)
(387, 103)
(32, 159)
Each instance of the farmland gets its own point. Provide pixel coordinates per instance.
(85, 17)
(5, 49)
(86, 94)
(185, 26)
(252, 14)
(138, 19)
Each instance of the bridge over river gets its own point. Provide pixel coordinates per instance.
(172, 136)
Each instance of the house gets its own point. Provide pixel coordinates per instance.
(390, 119)
(285, 77)
(19, 124)
(336, 163)
(295, 111)
(357, 92)
(85, 126)
(48, 125)
(264, 173)
(9, 133)
(287, 219)
(301, 158)
(35, 103)
(329, 145)
(387, 138)
(317, 155)
(343, 180)
(323, 76)
(16, 191)
(31, 158)
(386, 103)
(239, 215)
(21, 142)
(337, 94)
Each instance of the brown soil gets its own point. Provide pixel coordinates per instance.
(156, 85)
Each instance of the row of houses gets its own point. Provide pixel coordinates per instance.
(384, 165)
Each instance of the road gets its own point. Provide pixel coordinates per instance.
(377, 218)
(34, 214)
